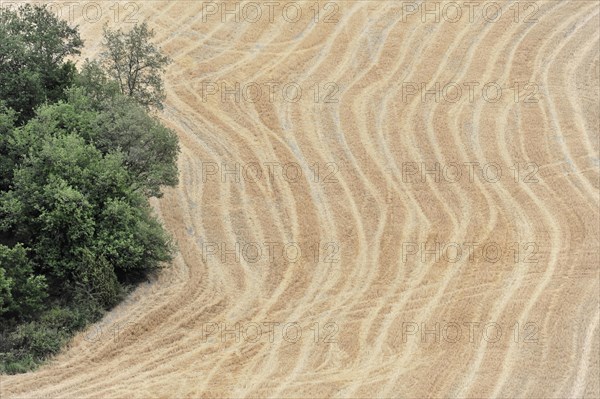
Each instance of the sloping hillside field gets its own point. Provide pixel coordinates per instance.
(376, 199)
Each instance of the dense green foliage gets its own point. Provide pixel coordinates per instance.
(118, 123)
(136, 64)
(78, 160)
(33, 50)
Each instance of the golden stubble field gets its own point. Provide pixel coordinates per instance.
(376, 199)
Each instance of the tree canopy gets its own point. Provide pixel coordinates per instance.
(135, 63)
(79, 157)
(33, 52)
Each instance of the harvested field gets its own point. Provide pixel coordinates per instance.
(376, 199)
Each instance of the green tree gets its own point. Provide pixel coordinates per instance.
(75, 209)
(114, 124)
(79, 157)
(95, 82)
(34, 46)
(150, 149)
(135, 63)
(22, 292)
(5, 292)
(8, 118)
